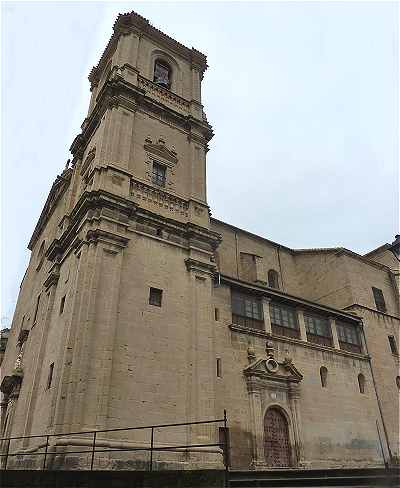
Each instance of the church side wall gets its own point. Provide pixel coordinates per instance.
(333, 433)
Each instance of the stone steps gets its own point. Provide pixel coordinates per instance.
(315, 478)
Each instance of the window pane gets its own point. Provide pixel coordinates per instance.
(347, 333)
(244, 305)
(317, 325)
(159, 174)
(283, 315)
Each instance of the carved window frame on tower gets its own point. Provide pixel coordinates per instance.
(164, 58)
(162, 73)
(158, 154)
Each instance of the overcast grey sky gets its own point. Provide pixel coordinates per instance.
(303, 98)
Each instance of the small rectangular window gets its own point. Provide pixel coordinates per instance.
(379, 299)
(62, 304)
(216, 314)
(36, 309)
(50, 377)
(393, 345)
(159, 174)
(219, 368)
(155, 297)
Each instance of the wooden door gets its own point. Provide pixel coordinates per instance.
(276, 435)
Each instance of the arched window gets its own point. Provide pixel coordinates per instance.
(273, 278)
(361, 383)
(323, 372)
(398, 382)
(162, 73)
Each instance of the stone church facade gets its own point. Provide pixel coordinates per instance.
(138, 307)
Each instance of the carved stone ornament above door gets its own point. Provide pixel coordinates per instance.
(268, 368)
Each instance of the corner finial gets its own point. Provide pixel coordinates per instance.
(251, 354)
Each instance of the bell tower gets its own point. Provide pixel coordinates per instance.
(116, 300)
(146, 119)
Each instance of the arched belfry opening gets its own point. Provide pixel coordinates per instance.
(276, 438)
(162, 73)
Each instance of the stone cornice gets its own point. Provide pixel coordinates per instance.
(117, 93)
(58, 188)
(88, 202)
(134, 23)
(91, 206)
(200, 266)
(298, 342)
(298, 252)
(187, 230)
(383, 314)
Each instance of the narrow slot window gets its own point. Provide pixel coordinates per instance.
(216, 314)
(323, 372)
(50, 377)
(361, 383)
(62, 304)
(393, 345)
(219, 368)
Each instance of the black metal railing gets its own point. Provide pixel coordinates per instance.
(223, 443)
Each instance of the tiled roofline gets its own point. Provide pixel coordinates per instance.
(133, 22)
(384, 247)
(333, 250)
(281, 246)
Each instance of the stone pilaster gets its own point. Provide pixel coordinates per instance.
(200, 357)
(335, 338)
(294, 399)
(302, 324)
(51, 287)
(267, 315)
(254, 391)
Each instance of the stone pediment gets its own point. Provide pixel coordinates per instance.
(270, 368)
(159, 149)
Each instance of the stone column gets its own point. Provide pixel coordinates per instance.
(257, 424)
(50, 286)
(102, 321)
(302, 324)
(361, 336)
(267, 315)
(200, 402)
(335, 338)
(294, 398)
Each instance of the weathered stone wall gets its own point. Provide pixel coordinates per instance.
(333, 431)
(120, 361)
